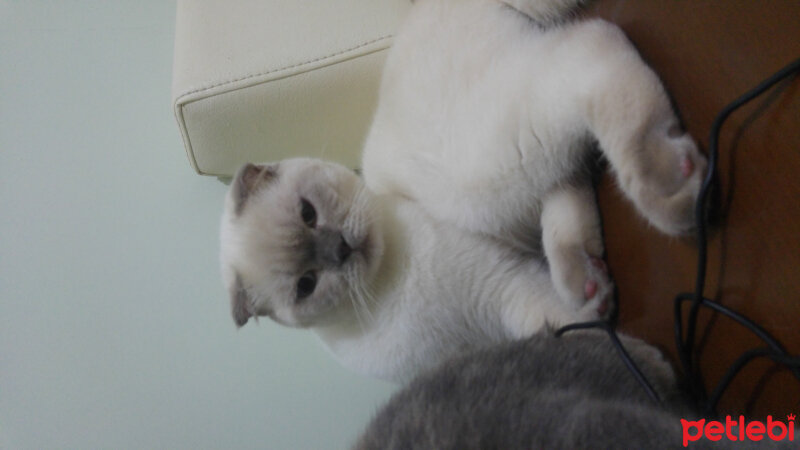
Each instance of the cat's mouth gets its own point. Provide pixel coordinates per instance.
(363, 248)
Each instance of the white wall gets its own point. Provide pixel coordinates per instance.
(114, 325)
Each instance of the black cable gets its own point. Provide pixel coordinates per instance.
(774, 350)
(637, 373)
(685, 348)
(736, 367)
(626, 357)
(581, 326)
(744, 321)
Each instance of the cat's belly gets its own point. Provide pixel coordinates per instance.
(485, 184)
(472, 126)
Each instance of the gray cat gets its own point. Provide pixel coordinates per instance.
(544, 392)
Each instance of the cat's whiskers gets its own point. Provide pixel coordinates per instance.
(355, 296)
(366, 298)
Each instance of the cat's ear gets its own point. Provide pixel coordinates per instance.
(250, 178)
(241, 306)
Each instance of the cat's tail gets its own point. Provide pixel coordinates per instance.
(546, 12)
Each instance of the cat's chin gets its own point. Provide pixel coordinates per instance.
(336, 314)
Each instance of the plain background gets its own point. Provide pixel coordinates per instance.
(114, 324)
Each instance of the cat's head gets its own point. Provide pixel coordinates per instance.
(298, 241)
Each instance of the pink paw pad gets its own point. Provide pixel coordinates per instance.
(590, 288)
(687, 166)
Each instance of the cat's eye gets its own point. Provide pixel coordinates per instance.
(306, 284)
(308, 213)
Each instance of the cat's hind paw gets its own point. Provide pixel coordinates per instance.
(665, 182)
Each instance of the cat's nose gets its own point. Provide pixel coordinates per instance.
(344, 250)
(332, 249)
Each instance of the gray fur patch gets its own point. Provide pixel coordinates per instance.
(543, 392)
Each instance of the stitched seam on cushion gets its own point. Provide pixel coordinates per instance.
(293, 66)
(187, 141)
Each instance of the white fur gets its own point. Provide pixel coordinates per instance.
(475, 160)
(486, 121)
(441, 290)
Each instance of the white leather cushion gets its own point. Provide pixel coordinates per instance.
(263, 80)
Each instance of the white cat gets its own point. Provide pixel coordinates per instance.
(474, 163)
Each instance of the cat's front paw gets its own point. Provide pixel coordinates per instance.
(586, 285)
(598, 290)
